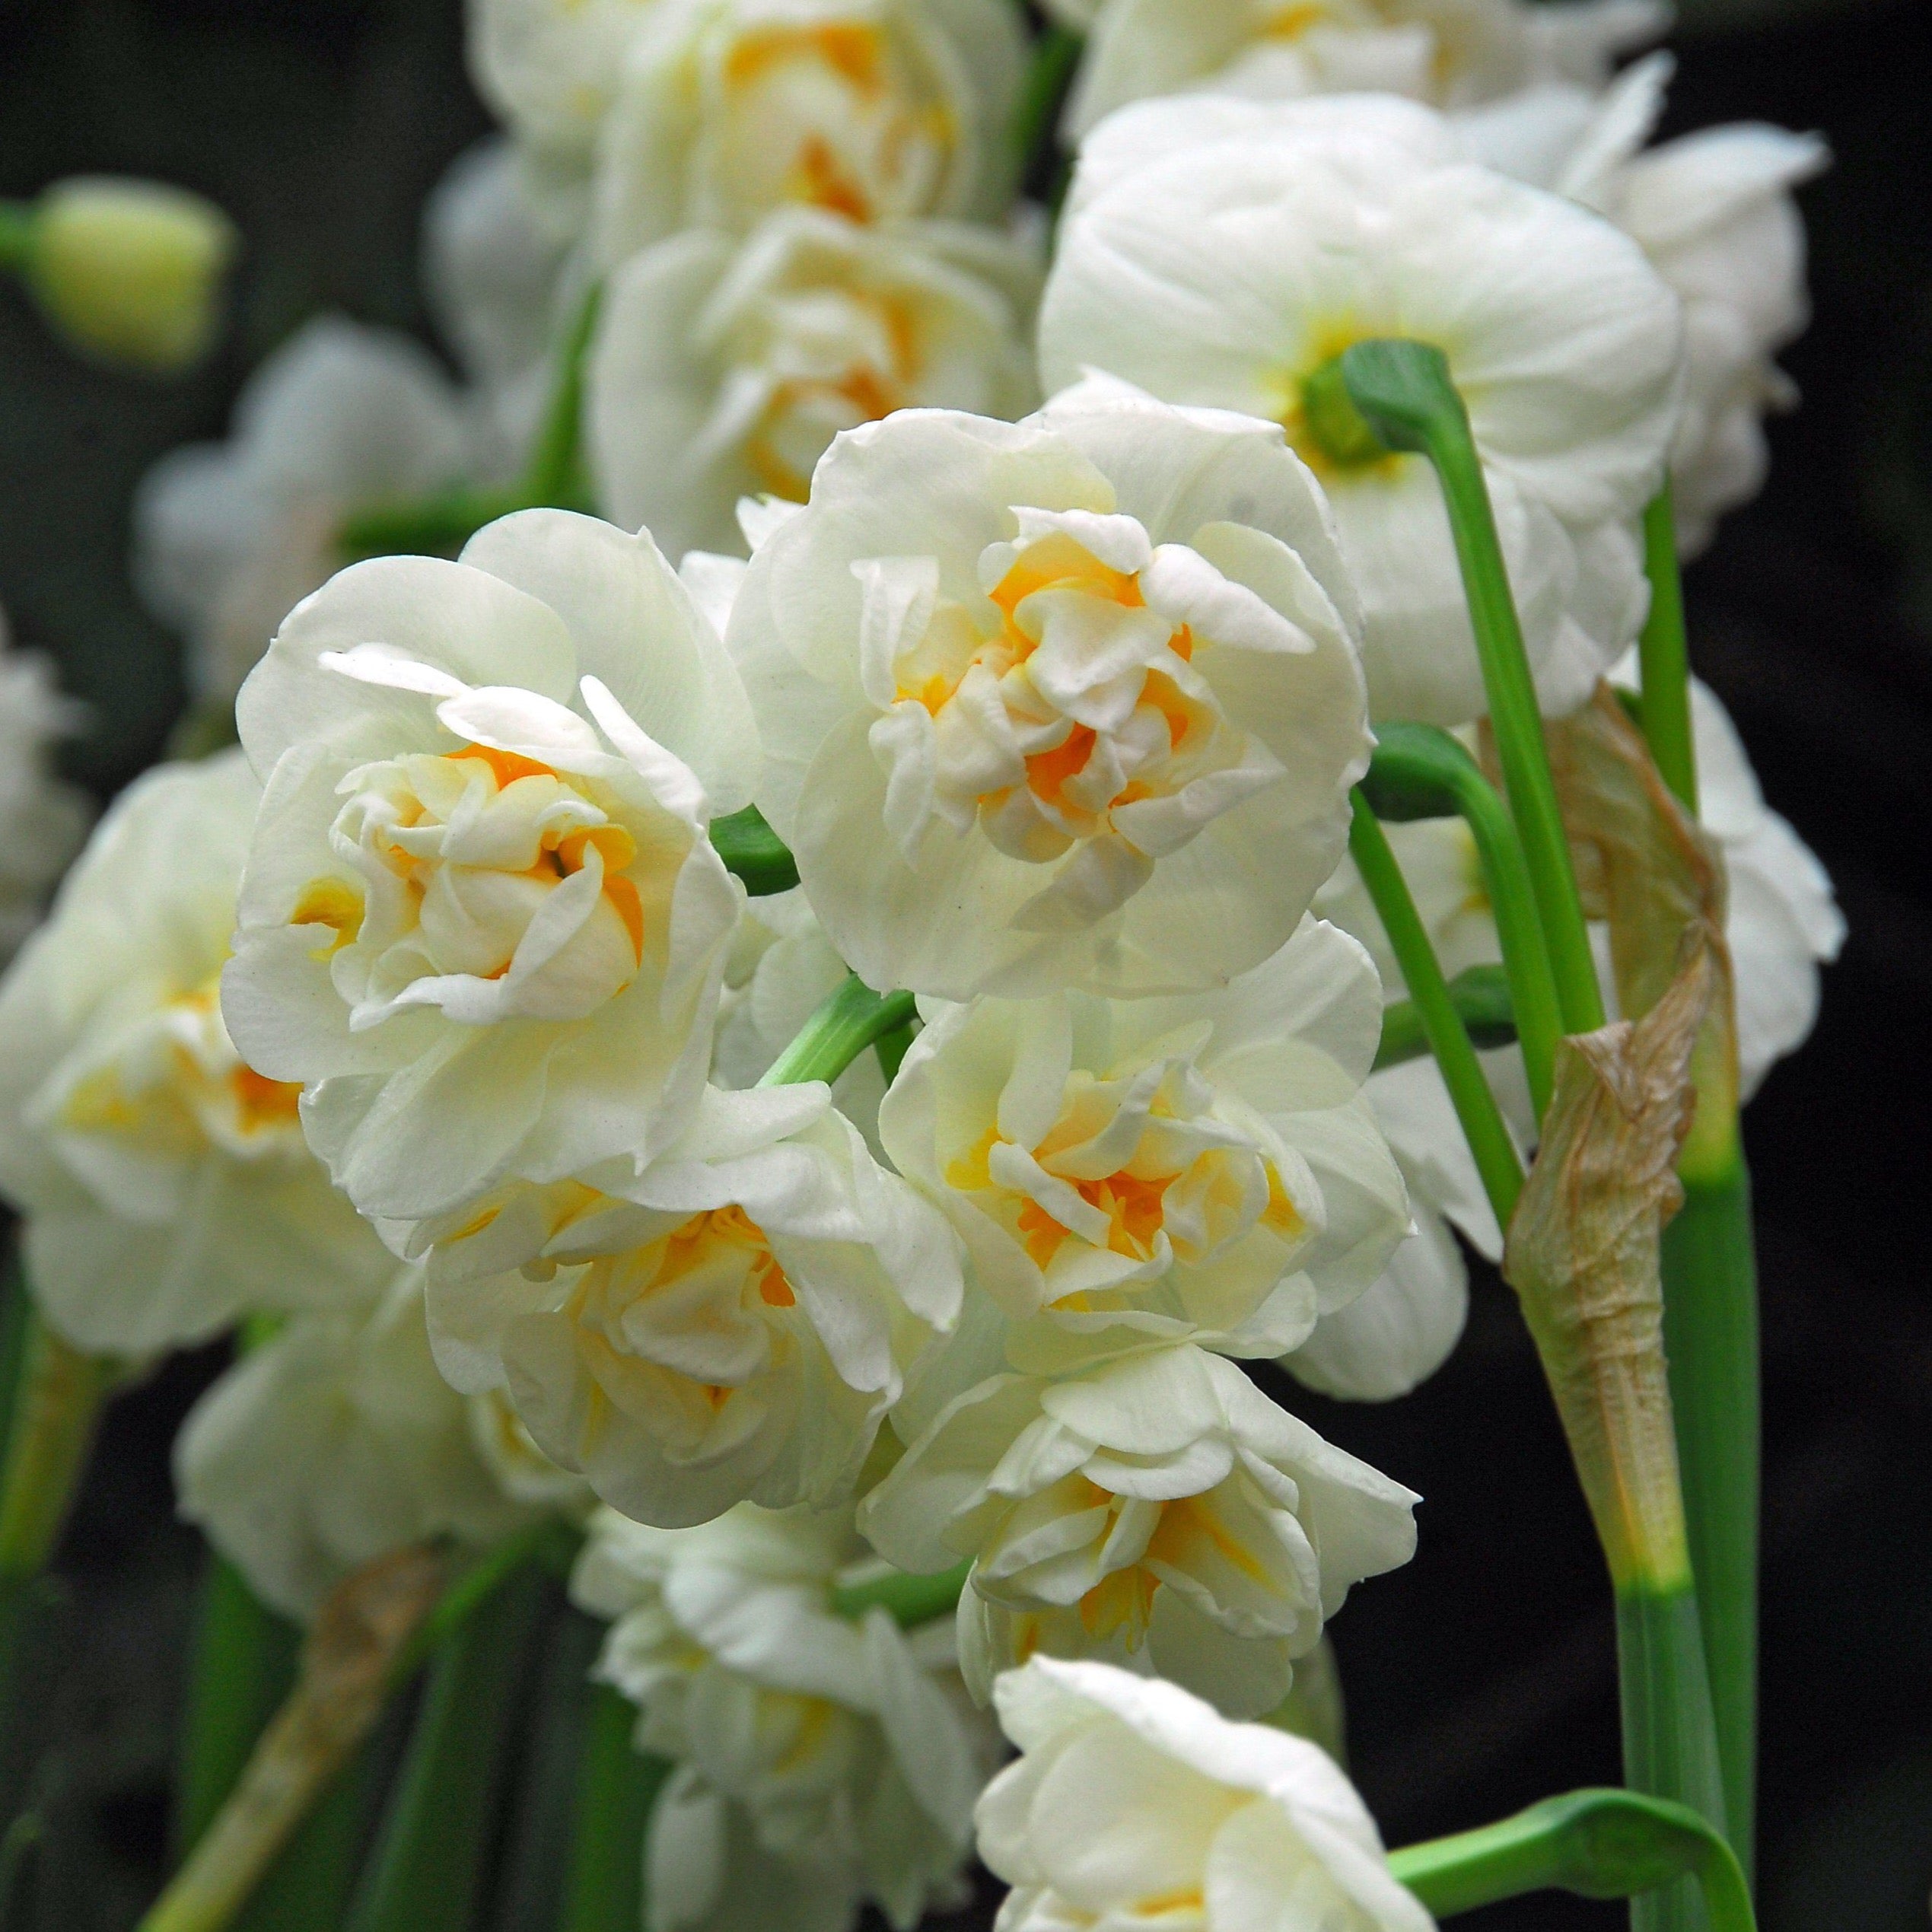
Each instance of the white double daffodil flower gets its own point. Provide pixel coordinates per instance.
(870, 109)
(550, 67)
(823, 1761)
(333, 1443)
(481, 921)
(734, 1323)
(1073, 701)
(1135, 1804)
(1157, 1509)
(722, 370)
(1449, 52)
(1196, 1168)
(164, 1183)
(1228, 253)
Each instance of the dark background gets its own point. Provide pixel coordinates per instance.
(1481, 1677)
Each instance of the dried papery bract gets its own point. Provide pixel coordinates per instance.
(1582, 1255)
(348, 1664)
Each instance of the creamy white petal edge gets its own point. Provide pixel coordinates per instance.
(1133, 1802)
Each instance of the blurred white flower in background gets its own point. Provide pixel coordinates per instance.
(496, 253)
(1200, 1168)
(1234, 273)
(823, 1762)
(871, 109)
(1133, 1804)
(1449, 52)
(734, 1325)
(43, 818)
(1714, 211)
(722, 370)
(331, 1444)
(1156, 1509)
(1070, 701)
(550, 67)
(165, 1184)
(482, 920)
(229, 537)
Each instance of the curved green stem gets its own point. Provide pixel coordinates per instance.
(1420, 772)
(751, 850)
(1599, 1843)
(848, 1021)
(912, 1600)
(1663, 656)
(1403, 389)
(1496, 1158)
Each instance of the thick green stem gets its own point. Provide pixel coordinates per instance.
(1710, 1334)
(244, 1663)
(553, 474)
(16, 227)
(750, 848)
(1049, 74)
(1480, 996)
(1419, 771)
(308, 1886)
(616, 1787)
(846, 1023)
(1495, 1155)
(1663, 656)
(1598, 1843)
(1669, 1742)
(1404, 391)
(430, 1864)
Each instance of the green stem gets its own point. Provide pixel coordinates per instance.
(912, 1600)
(751, 850)
(1480, 996)
(616, 1787)
(551, 1546)
(308, 1885)
(553, 476)
(1599, 1843)
(848, 1021)
(1420, 772)
(1663, 655)
(432, 526)
(1049, 74)
(50, 1432)
(1404, 390)
(17, 236)
(244, 1663)
(1710, 1336)
(1496, 1158)
(892, 1048)
(429, 1867)
(1669, 1742)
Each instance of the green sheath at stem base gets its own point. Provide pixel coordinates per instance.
(1711, 1335)
(1670, 1749)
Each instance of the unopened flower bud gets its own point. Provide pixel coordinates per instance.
(130, 271)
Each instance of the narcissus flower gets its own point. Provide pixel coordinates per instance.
(229, 537)
(1195, 1168)
(722, 370)
(42, 819)
(1070, 701)
(1714, 211)
(331, 1443)
(1157, 1509)
(550, 67)
(482, 920)
(1237, 271)
(1446, 51)
(164, 1182)
(823, 1762)
(1133, 1804)
(871, 109)
(734, 1324)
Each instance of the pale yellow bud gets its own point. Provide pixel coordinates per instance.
(130, 271)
